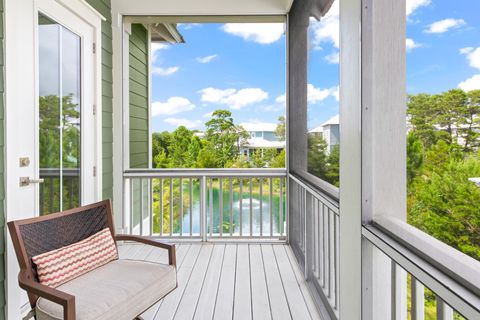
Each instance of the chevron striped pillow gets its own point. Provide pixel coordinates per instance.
(62, 265)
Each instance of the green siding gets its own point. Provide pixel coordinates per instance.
(104, 8)
(2, 168)
(138, 84)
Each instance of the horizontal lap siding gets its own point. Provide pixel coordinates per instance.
(104, 8)
(138, 93)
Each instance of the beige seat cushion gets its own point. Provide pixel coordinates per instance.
(121, 289)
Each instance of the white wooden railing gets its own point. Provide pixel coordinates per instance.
(206, 203)
(421, 263)
(314, 238)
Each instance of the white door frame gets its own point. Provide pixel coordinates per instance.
(21, 96)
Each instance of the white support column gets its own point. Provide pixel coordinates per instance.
(350, 161)
(383, 126)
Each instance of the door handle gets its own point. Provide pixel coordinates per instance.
(26, 181)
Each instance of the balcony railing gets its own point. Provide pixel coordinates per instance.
(206, 203)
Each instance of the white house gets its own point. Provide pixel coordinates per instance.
(330, 131)
(262, 136)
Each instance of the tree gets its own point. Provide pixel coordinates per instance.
(421, 118)
(332, 173)
(224, 136)
(317, 156)
(414, 156)
(469, 121)
(280, 130)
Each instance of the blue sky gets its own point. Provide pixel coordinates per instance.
(241, 67)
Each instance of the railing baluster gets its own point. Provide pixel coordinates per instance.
(444, 311)
(261, 205)
(150, 205)
(220, 207)
(190, 198)
(203, 208)
(210, 200)
(231, 206)
(181, 206)
(141, 207)
(280, 211)
(337, 260)
(251, 209)
(270, 206)
(417, 299)
(161, 207)
(131, 206)
(241, 206)
(171, 206)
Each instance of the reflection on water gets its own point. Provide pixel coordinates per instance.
(259, 211)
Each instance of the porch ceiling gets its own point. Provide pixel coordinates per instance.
(202, 8)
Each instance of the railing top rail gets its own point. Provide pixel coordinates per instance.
(456, 287)
(322, 190)
(209, 172)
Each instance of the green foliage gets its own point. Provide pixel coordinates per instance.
(442, 154)
(414, 156)
(280, 130)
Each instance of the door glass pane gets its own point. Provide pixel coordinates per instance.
(59, 115)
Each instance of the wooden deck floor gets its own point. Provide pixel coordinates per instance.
(230, 281)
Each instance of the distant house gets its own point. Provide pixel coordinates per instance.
(262, 136)
(329, 131)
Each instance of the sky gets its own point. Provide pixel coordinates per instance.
(241, 67)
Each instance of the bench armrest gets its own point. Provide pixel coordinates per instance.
(169, 246)
(67, 301)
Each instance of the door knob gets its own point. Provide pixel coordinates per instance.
(26, 181)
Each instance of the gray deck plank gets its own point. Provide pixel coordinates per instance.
(230, 281)
(170, 302)
(303, 285)
(260, 299)
(186, 307)
(226, 287)
(294, 295)
(206, 303)
(242, 307)
(278, 300)
(161, 256)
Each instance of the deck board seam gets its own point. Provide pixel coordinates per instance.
(218, 284)
(186, 284)
(283, 285)
(266, 282)
(295, 274)
(203, 281)
(178, 268)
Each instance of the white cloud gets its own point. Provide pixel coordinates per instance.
(154, 55)
(470, 84)
(206, 59)
(235, 99)
(183, 122)
(188, 26)
(327, 30)
(413, 5)
(263, 33)
(160, 71)
(333, 58)
(473, 56)
(208, 114)
(172, 106)
(155, 49)
(444, 25)
(315, 95)
(282, 99)
(336, 93)
(411, 44)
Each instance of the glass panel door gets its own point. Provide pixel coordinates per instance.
(59, 116)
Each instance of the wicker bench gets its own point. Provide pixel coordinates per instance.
(120, 289)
